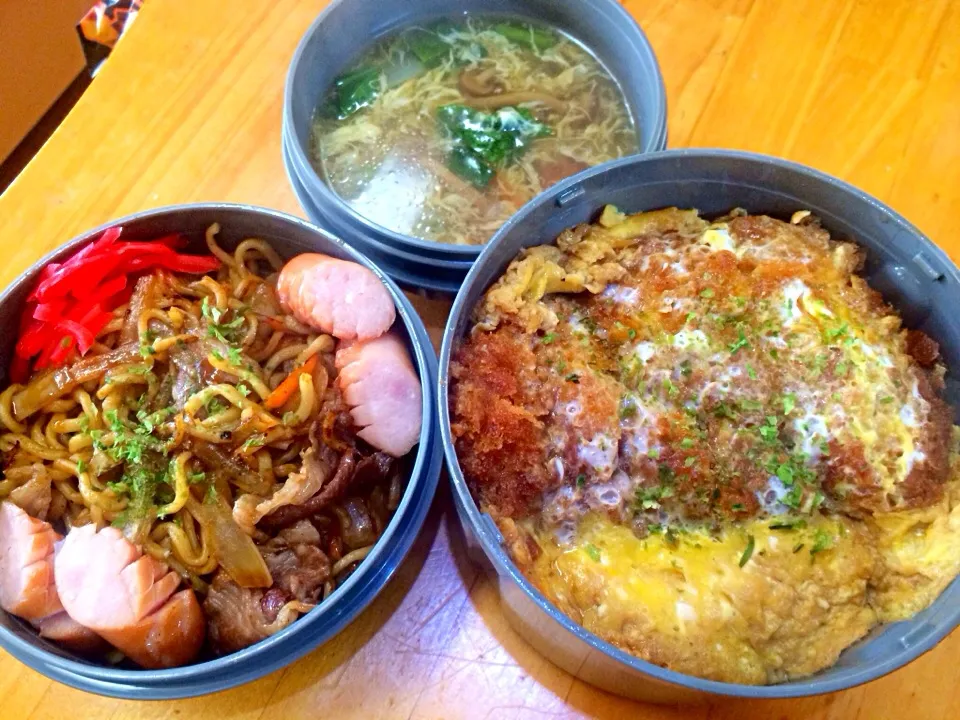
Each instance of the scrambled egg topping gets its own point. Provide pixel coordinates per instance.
(712, 444)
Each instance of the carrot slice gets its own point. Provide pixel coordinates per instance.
(285, 390)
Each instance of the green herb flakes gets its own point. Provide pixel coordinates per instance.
(748, 552)
(822, 540)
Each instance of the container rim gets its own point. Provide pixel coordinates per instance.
(489, 537)
(403, 276)
(377, 248)
(360, 588)
(613, 10)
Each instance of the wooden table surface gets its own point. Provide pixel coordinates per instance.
(188, 108)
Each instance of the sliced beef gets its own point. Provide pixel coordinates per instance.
(373, 469)
(298, 568)
(239, 617)
(289, 514)
(235, 615)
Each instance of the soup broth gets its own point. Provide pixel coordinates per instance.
(443, 131)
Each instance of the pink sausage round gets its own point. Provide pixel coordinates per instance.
(27, 587)
(335, 296)
(129, 599)
(382, 389)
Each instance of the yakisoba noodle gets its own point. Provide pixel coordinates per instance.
(171, 440)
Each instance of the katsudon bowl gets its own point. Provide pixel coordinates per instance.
(289, 236)
(915, 276)
(347, 30)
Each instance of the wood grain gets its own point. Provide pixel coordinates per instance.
(189, 109)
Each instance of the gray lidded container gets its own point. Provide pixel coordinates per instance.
(411, 273)
(913, 274)
(289, 236)
(348, 27)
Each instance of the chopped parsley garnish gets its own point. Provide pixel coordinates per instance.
(653, 453)
(751, 373)
(706, 293)
(253, 441)
(785, 474)
(548, 338)
(792, 498)
(768, 431)
(216, 328)
(822, 540)
(648, 498)
(834, 333)
(631, 333)
(748, 552)
(593, 551)
(687, 443)
(788, 524)
(581, 480)
(215, 405)
(689, 461)
(739, 343)
(573, 377)
(628, 406)
(789, 402)
(818, 498)
(724, 410)
(685, 368)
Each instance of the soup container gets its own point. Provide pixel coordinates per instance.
(910, 271)
(349, 27)
(405, 268)
(288, 236)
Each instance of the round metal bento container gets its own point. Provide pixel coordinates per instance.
(348, 27)
(912, 273)
(289, 236)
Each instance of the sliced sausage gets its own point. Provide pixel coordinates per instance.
(170, 637)
(109, 586)
(64, 630)
(336, 296)
(27, 587)
(383, 392)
